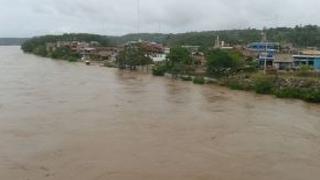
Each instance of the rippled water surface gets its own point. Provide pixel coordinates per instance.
(66, 121)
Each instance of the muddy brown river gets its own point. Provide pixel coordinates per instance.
(68, 121)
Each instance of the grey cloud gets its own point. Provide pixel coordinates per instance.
(116, 17)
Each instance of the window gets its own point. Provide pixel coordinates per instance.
(311, 63)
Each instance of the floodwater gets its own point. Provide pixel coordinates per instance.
(66, 121)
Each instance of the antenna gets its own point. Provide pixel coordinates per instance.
(138, 16)
(264, 36)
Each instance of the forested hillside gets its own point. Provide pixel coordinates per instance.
(299, 36)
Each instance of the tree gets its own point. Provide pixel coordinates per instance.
(179, 55)
(133, 56)
(180, 60)
(222, 63)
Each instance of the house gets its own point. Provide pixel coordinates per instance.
(158, 57)
(199, 58)
(307, 57)
(266, 59)
(106, 53)
(157, 52)
(88, 51)
(283, 62)
(265, 51)
(264, 46)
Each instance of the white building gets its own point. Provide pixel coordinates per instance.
(158, 58)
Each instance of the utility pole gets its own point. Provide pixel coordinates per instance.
(264, 39)
(138, 16)
(266, 57)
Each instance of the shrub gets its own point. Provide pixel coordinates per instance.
(186, 78)
(309, 95)
(289, 93)
(223, 63)
(264, 84)
(199, 80)
(312, 96)
(250, 67)
(305, 71)
(159, 70)
(72, 59)
(235, 84)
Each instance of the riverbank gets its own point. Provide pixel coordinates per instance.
(304, 88)
(285, 85)
(291, 87)
(62, 121)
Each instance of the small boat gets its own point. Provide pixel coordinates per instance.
(88, 62)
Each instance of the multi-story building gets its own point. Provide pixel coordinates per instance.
(265, 52)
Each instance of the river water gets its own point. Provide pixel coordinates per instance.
(68, 121)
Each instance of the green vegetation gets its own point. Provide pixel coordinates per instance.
(264, 84)
(38, 45)
(309, 95)
(199, 80)
(186, 78)
(159, 70)
(296, 88)
(239, 84)
(180, 61)
(230, 68)
(234, 71)
(63, 53)
(30, 45)
(305, 71)
(299, 36)
(131, 57)
(223, 63)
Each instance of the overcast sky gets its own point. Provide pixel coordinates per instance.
(25, 18)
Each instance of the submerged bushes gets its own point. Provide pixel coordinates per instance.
(159, 70)
(309, 95)
(186, 78)
(295, 88)
(199, 80)
(264, 84)
(236, 84)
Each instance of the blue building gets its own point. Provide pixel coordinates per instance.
(264, 46)
(310, 60)
(266, 52)
(266, 57)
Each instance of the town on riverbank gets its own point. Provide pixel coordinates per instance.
(283, 69)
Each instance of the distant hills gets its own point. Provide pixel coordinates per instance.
(12, 41)
(299, 36)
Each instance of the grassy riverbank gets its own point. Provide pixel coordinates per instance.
(228, 68)
(304, 88)
(285, 85)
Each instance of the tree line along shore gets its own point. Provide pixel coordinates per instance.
(212, 63)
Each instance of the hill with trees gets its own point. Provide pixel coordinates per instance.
(41, 41)
(299, 36)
